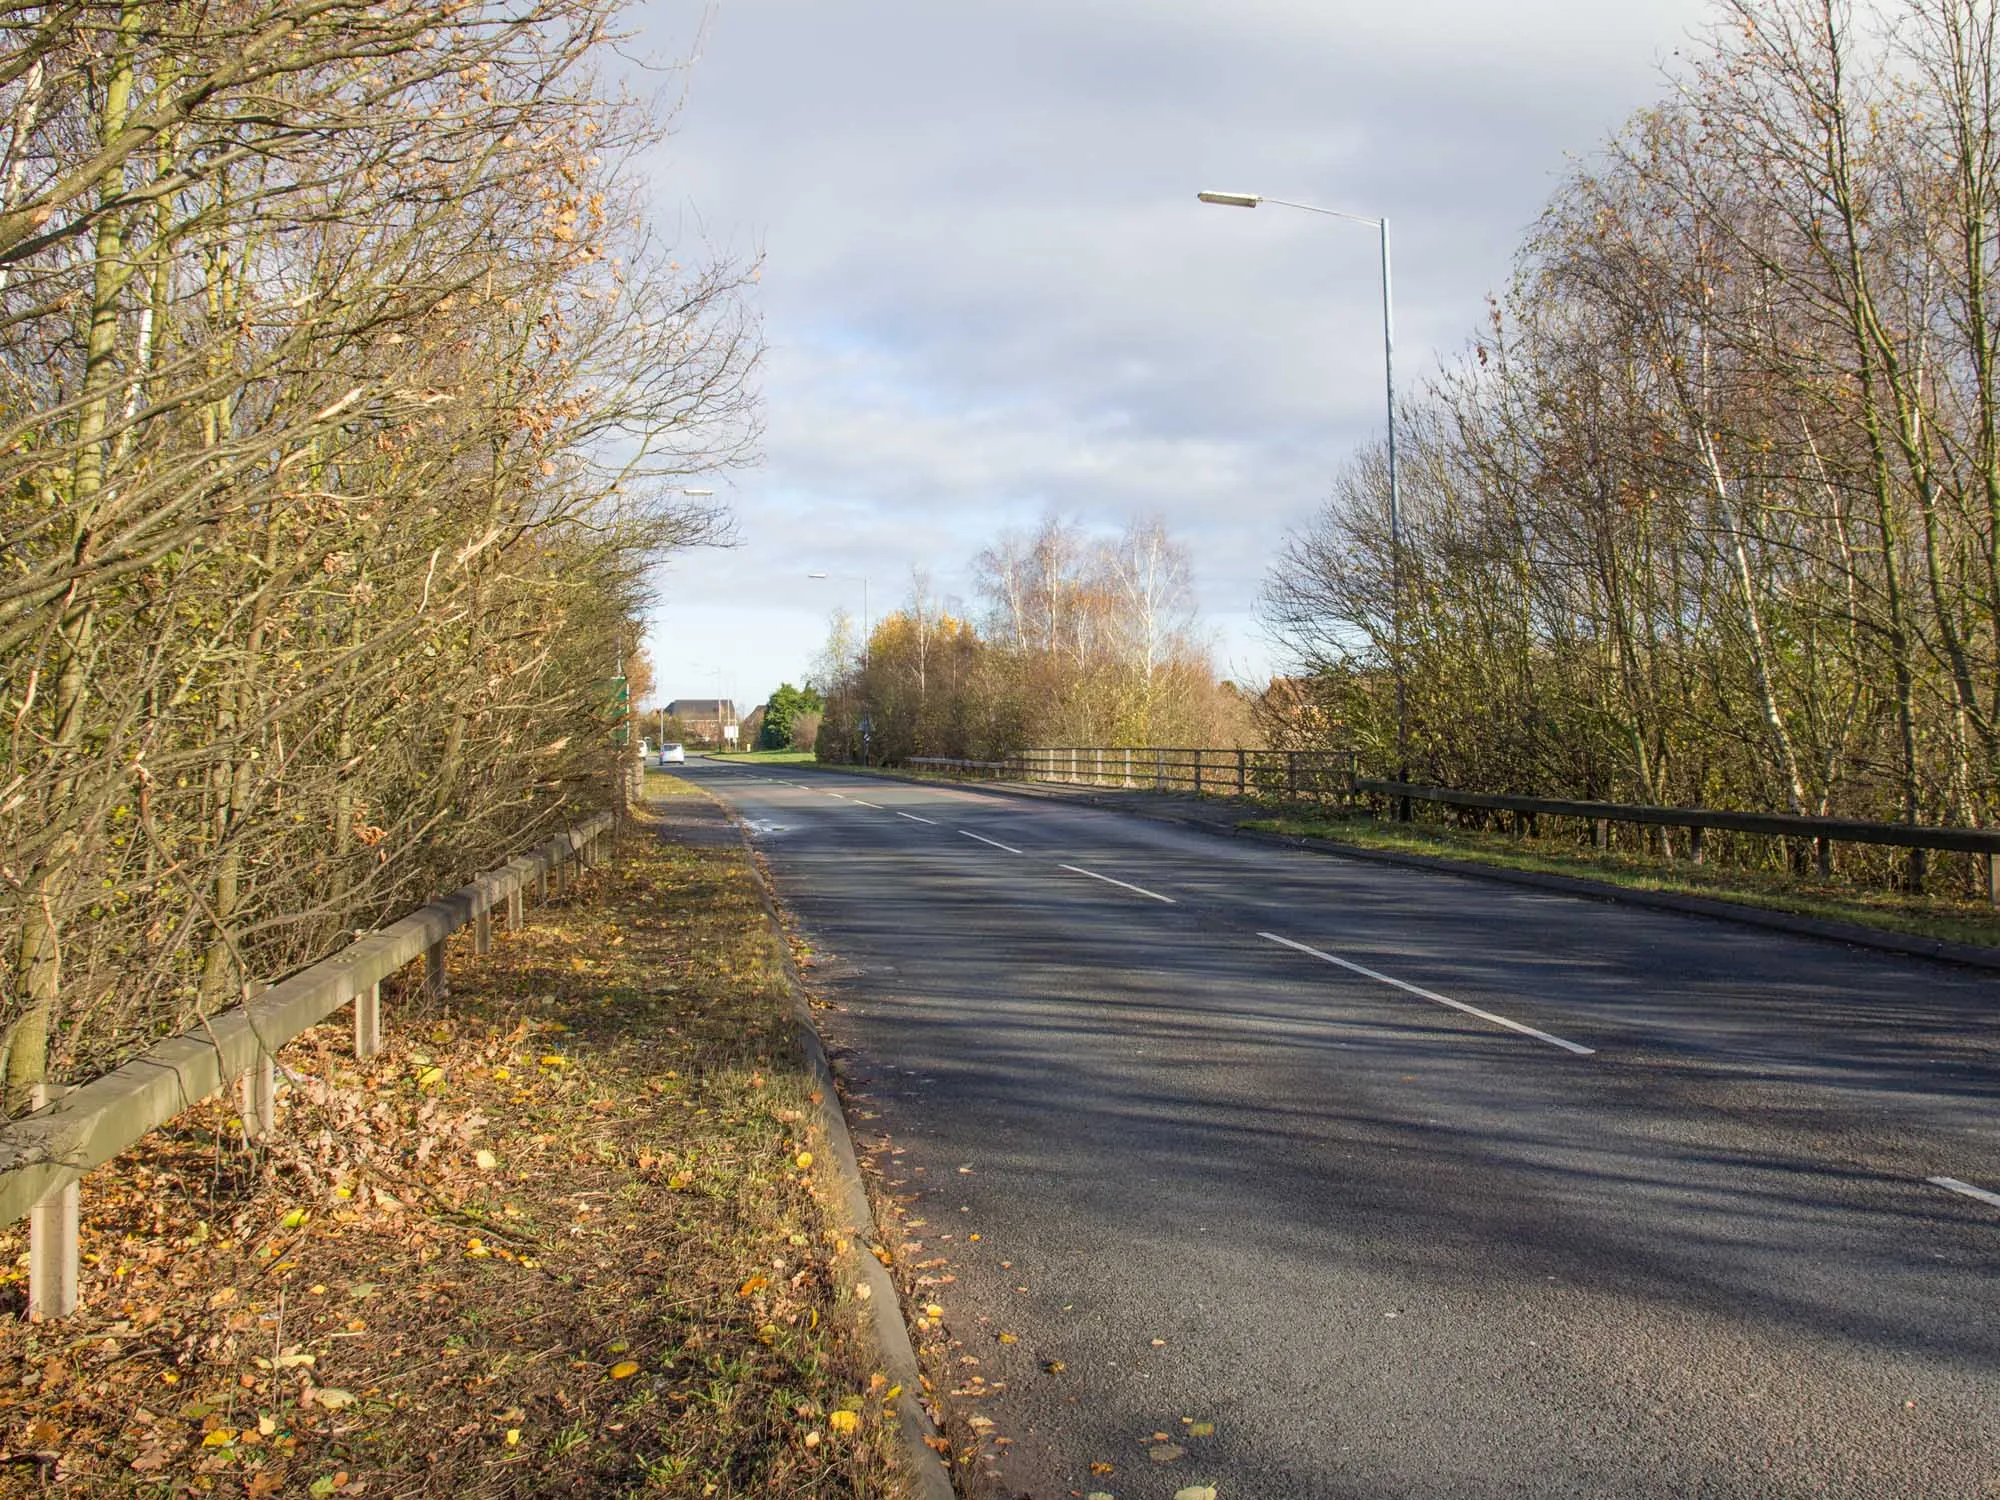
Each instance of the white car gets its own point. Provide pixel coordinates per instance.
(672, 755)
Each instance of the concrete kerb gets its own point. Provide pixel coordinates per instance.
(1853, 935)
(884, 1306)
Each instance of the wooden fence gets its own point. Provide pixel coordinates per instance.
(1318, 776)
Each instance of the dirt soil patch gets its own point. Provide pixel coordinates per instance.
(569, 1234)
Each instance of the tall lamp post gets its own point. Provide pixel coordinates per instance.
(866, 631)
(1256, 200)
(862, 579)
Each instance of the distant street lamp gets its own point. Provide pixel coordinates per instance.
(1255, 200)
(861, 579)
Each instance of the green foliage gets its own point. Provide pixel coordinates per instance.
(782, 712)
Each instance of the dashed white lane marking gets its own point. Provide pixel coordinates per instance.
(915, 819)
(859, 803)
(1965, 1189)
(985, 840)
(1433, 996)
(1123, 884)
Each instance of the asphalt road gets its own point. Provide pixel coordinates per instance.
(1411, 1185)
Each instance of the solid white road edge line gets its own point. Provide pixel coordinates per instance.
(1434, 997)
(985, 840)
(1964, 1189)
(915, 819)
(1125, 884)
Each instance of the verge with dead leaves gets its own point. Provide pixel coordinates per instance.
(563, 1237)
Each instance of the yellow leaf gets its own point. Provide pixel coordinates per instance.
(843, 1421)
(805, 1159)
(625, 1369)
(502, 1074)
(295, 1219)
(753, 1286)
(932, 1310)
(553, 1060)
(513, 1437)
(1008, 1338)
(487, 1160)
(430, 1078)
(222, 1437)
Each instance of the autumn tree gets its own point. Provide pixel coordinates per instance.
(341, 405)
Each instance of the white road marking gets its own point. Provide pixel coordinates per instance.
(985, 840)
(1965, 1189)
(859, 803)
(915, 819)
(1124, 884)
(1433, 996)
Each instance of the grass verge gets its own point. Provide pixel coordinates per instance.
(1931, 917)
(565, 1236)
(766, 757)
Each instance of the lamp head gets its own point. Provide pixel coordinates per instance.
(1231, 200)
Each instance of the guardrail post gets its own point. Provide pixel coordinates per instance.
(1824, 846)
(514, 913)
(258, 1098)
(1694, 843)
(368, 1021)
(52, 1239)
(436, 984)
(482, 932)
(1600, 833)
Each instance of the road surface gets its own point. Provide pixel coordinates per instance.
(1360, 1181)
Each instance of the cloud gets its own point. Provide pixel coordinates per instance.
(989, 290)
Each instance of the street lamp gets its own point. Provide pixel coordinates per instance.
(861, 579)
(1256, 200)
(867, 729)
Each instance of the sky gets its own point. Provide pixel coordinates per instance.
(988, 292)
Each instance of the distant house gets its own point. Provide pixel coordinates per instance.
(712, 721)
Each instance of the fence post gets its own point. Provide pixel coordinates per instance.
(1694, 842)
(1072, 765)
(514, 912)
(482, 931)
(52, 1239)
(1600, 833)
(1159, 770)
(1097, 776)
(1291, 775)
(436, 984)
(368, 1021)
(1128, 766)
(1241, 784)
(1824, 847)
(1993, 880)
(258, 1090)
(1197, 773)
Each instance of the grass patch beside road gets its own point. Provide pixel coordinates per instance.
(1921, 916)
(568, 1235)
(766, 757)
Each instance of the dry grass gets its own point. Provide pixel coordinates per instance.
(564, 1237)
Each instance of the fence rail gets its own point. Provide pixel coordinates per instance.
(44, 1155)
(1324, 776)
(1823, 833)
(1294, 775)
